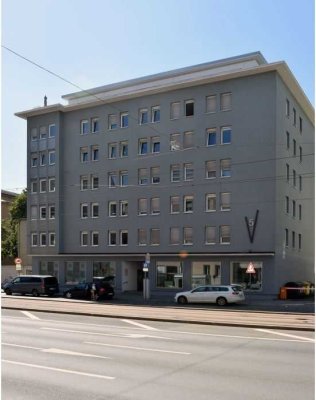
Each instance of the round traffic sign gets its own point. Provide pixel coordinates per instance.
(18, 261)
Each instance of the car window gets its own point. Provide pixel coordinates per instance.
(34, 280)
(16, 280)
(237, 288)
(223, 289)
(199, 289)
(50, 280)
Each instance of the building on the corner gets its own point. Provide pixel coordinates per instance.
(208, 168)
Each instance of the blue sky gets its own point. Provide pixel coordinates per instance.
(97, 42)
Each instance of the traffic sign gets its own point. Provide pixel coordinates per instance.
(250, 269)
(18, 261)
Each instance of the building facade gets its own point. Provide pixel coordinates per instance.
(207, 168)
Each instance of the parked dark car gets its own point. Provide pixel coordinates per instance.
(104, 290)
(295, 290)
(32, 284)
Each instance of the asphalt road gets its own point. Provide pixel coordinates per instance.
(73, 357)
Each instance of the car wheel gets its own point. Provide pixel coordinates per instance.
(182, 300)
(35, 293)
(68, 295)
(221, 301)
(8, 292)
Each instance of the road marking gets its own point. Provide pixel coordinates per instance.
(67, 371)
(19, 345)
(139, 348)
(150, 328)
(28, 314)
(284, 334)
(72, 353)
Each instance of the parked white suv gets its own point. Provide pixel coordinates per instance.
(219, 294)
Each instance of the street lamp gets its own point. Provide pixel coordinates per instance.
(146, 291)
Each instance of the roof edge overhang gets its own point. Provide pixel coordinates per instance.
(179, 255)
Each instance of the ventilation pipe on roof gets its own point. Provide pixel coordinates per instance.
(45, 101)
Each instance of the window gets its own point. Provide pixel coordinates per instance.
(95, 210)
(75, 272)
(42, 212)
(300, 212)
(293, 239)
(287, 108)
(123, 178)
(226, 135)
(301, 154)
(34, 160)
(43, 132)
(124, 208)
(84, 210)
(188, 204)
(43, 158)
(169, 275)
(188, 140)
(52, 237)
(143, 146)
(225, 168)
(95, 153)
(155, 114)
(293, 208)
(112, 209)
(299, 241)
(188, 172)
(84, 183)
(84, 238)
(154, 236)
(287, 140)
(174, 235)
(155, 175)
(174, 204)
(189, 108)
(287, 204)
(210, 169)
(33, 212)
(34, 239)
(301, 125)
(142, 206)
(251, 282)
(294, 178)
(112, 179)
(84, 127)
(211, 137)
(294, 116)
(286, 239)
(43, 239)
(300, 182)
(51, 184)
(226, 101)
(112, 149)
(124, 238)
(51, 212)
(210, 235)
(95, 125)
(124, 120)
(84, 154)
(155, 144)
(33, 134)
(112, 238)
(155, 205)
(142, 176)
(34, 187)
(43, 186)
(287, 172)
(206, 273)
(187, 235)
(175, 141)
(52, 131)
(225, 201)
(294, 147)
(94, 182)
(175, 110)
(124, 149)
(211, 104)
(143, 116)
(95, 238)
(142, 237)
(112, 121)
(224, 234)
(211, 202)
(175, 173)
(51, 157)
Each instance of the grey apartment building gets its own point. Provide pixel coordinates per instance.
(208, 168)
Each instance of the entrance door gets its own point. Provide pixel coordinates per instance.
(140, 277)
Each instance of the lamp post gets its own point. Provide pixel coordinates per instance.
(146, 290)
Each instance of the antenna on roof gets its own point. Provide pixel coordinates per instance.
(45, 101)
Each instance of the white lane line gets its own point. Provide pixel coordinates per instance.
(19, 345)
(67, 371)
(139, 348)
(28, 314)
(72, 353)
(285, 334)
(150, 328)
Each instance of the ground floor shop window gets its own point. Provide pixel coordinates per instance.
(206, 273)
(169, 275)
(75, 272)
(49, 268)
(249, 281)
(105, 269)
